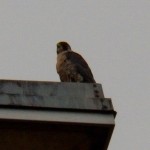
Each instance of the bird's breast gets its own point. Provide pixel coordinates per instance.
(64, 65)
(61, 61)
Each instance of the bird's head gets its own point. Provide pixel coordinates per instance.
(63, 46)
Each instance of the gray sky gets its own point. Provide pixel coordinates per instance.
(112, 35)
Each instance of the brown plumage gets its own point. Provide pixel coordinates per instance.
(71, 66)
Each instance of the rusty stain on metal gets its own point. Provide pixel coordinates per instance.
(96, 93)
(94, 85)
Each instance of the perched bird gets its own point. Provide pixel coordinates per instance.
(71, 66)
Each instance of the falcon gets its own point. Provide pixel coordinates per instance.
(71, 66)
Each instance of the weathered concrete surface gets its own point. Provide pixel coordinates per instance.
(53, 95)
(54, 116)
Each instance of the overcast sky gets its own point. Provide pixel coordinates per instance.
(112, 35)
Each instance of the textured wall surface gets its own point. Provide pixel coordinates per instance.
(53, 95)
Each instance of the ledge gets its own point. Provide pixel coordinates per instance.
(58, 115)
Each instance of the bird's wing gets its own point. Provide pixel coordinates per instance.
(81, 66)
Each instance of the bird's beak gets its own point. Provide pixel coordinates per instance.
(57, 51)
